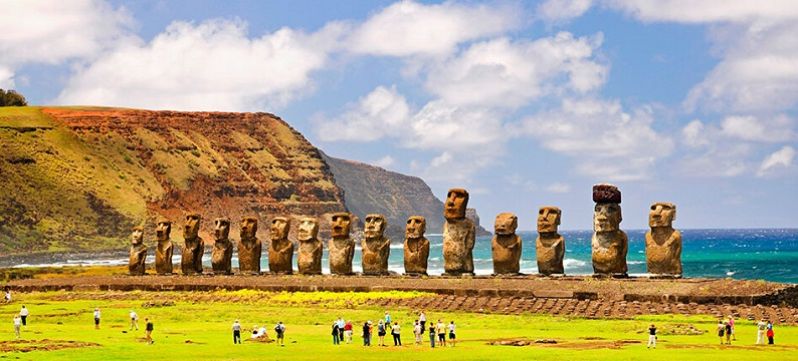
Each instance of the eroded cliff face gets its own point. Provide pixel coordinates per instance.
(77, 178)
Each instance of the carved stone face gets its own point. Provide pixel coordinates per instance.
(662, 214)
(506, 224)
(163, 230)
(308, 229)
(416, 226)
(137, 238)
(279, 228)
(548, 219)
(456, 203)
(221, 228)
(249, 227)
(607, 217)
(341, 223)
(375, 225)
(191, 228)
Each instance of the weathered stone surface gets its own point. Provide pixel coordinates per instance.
(193, 246)
(610, 244)
(138, 253)
(506, 245)
(341, 246)
(458, 234)
(550, 245)
(249, 247)
(663, 243)
(310, 247)
(281, 250)
(164, 249)
(416, 246)
(222, 247)
(375, 245)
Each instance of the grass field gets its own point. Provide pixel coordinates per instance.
(196, 325)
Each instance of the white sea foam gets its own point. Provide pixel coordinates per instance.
(573, 263)
(635, 262)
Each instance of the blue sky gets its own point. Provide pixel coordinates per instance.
(523, 103)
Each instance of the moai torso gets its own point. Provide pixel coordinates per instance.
(164, 249)
(310, 247)
(550, 245)
(506, 245)
(663, 243)
(222, 247)
(249, 247)
(138, 253)
(609, 242)
(193, 248)
(342, 247)
(375, 246)
(281, 250)
(416, 246)
(459, 234)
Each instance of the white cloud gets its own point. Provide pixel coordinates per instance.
(385, 162)
(555, 11)
(705, 11)
(694, 134)
(781, 158)
(6, 78)
(558, 188)
(750, 128)
(442, 126)
(408, 28)
(383, 112)
(213, 65)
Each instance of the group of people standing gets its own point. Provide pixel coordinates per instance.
(343, 331)
(260, 332)
(764, 328)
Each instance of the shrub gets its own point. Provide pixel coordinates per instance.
(10, 98)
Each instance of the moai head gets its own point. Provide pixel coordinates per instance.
(416, 226)
(279, 228)
(137, 238)
(191, 228)
(506, 224)
(249, 227)
(341, 223)
(375, 226)
(549, 219)
(607, 213)
(662, 214)
(163, 230)
(308, 229)
(221, 229)
(456, 204)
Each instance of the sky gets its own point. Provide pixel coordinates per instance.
(524, 104)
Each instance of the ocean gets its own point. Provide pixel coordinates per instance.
(767, 254)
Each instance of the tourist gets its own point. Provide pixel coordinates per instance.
(452, 336)
(770, 333)
(336, 334)
(148, 328)
(396, 333)
(417, 332)
(341, 325)
(422, 318)
(733, 333)
(652, 336)
(721, 330)
(367, 333)
(134, 320)
(23, 313)
(761, 327)
(17, 324)
(432, 336)
(97, 318)
(440, 328)
(279, 329)
(236, 333)
(728, 333)
(7, 297)
(381, 332)
(348, 331)
(255, 332)
(262, 332)
(387, 319)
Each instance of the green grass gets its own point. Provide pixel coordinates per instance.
(198, 327)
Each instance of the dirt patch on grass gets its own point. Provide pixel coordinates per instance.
(589, 344)
(42, 345)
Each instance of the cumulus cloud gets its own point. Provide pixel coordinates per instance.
(385, 162)
(706, 10)
(556, 11)
(781, 158)
(383, 112)
(750, 128)
(6, 78)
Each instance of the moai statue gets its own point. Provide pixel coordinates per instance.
(610, 243)
(416, 246)
(550, 245)
(281, 250)
(310, 247)
(342, 247)
(222, 247)
(138, 253)
(194, 246)
(376, 247)
(164, 249)
(458, 234)
(249, 248)
(663, 243)
(506, 245)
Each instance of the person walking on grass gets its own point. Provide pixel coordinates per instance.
(97, 318)
(422, 318)
(431, 336)
(17, 325)
(367, 333)
(134, 320)
(652, 336)
(728, 333)
(733, 333)
(23, 314)
(148, 328)
(236, 333)
(336, 334)
(452, 335)
(381, 332)
(770, 333)
(348, 330)
(341, 325)
(440, 328)
(396, 332)
(761, 327)
(417, 332)
(279, 329)
(721, 330)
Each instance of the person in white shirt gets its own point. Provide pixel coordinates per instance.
(97, 318)
(422, 318)
(761, 327)
(396, 332)
(417, 332)
(134, 320)
(236, 332)
(17, 324)
(452, 336)
(7, 297)
(23, 313)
